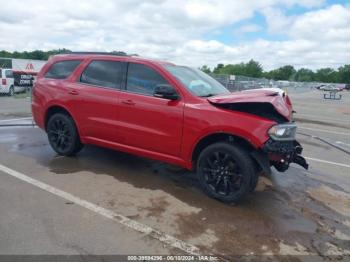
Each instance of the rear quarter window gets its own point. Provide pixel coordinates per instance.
(8, 73)
(104, 73)
(62, 70)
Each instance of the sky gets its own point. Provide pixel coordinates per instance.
(303, 33)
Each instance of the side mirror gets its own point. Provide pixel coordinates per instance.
(165, 91)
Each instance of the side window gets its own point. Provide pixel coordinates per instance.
(8, 73)
(0, 73)
(143, 79)
(62, 70)
(104, 73)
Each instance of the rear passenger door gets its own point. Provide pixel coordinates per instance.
(145, 121)
(98, 88)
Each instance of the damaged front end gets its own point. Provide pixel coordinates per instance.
(282, 153)
(281, 149)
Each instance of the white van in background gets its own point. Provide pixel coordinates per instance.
(7, 83)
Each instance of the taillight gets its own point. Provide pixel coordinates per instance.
(3, 81)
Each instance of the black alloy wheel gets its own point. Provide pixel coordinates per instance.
(225, 172)
(222, 174)
(63, 135)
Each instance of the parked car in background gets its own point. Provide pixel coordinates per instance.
(170, 113)
(7, 84)
(320, 87)
(331, 88)
(347, 87)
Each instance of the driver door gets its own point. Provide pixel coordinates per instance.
(146, 121)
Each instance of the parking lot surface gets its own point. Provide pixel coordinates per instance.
(293, 213)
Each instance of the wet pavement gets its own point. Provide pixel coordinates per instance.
(294, 213)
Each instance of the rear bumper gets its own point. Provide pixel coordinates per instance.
(38, 115)
(4, 89)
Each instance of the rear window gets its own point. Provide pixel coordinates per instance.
(62, 70)
(8, 73)
(104, 73)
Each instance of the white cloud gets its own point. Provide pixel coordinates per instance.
(277, 21)
(332, 23)
(249, 28)
(174, 30)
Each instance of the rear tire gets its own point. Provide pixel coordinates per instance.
(63, 135)
(225, 172)
(11, 91)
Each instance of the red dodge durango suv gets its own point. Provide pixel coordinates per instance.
(166, 112)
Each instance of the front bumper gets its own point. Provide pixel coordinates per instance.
(282, 153)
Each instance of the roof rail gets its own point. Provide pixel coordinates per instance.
(96, 53)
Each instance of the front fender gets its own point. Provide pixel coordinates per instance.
(203, 120)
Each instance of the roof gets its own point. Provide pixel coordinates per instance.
(99, 55)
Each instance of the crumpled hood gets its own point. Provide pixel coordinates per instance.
(274, 96)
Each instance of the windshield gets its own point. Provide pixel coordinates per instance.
(199, 83)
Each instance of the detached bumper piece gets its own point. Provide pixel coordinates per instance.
(282, 153)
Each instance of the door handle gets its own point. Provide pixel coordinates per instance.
(128, 102)
(73, 92)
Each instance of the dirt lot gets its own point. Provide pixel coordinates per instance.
(119, 198)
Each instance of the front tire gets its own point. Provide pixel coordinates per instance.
(63, 135)
(225, 172)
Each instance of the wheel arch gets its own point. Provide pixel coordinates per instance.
(219, 137)
(76, 144)
(53, 109)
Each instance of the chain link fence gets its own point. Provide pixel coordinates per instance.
(238, 83)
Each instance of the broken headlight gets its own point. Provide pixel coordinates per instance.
(283, 132)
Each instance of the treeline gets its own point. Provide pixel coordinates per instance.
(250, 69)
(288, 72)
(41, 55)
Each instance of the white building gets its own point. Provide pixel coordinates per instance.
(27, 65)
(24, 70)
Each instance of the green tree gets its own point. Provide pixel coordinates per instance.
(304, 75)
(283, 73)
(344, 74)
(286, 72)
(230, 69)
(205, 69)
(253, 69)
(218, 68)
(37, 54)
(43, 55)
(326, 75)
(250, 69)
